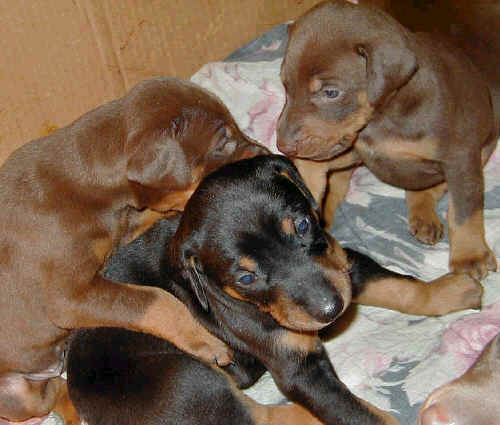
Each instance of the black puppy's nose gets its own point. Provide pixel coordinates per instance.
(330, 309)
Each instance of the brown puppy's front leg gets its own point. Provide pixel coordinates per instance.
(338, 186)
(140, 308)
(328, 181)
(423, 220)
(469, 252)
(373, 285)
(315, 176)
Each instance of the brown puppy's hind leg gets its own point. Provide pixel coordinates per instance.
(423, 220)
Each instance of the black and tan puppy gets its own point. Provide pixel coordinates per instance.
(253, 264)
(412, 107)
(69, 199)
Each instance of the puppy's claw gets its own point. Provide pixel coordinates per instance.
(429, 231)
(476, 266)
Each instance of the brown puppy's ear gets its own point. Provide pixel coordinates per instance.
(156, 160)
(389, 64)
(197, 279)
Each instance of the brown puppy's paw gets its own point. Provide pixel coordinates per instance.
(426, 228)
(476, 265)
(215, 352)
(453, 292)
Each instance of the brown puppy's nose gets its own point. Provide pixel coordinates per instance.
(287, 141)
(287, 135)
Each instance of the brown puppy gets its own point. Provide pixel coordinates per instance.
(471, 399)
(362, 89)
(70, 198)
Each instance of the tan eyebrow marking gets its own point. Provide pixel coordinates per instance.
(287, 226)
(248, 263)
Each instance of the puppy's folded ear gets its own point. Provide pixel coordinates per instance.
(156, 160)
(285, 168)
(390, 64)
(197, 279)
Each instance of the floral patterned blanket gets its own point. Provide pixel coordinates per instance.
(390, 359)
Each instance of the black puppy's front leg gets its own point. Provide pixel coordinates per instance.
(308, 378)
(297, 362)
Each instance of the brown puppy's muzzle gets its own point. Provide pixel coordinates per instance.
(288, 132)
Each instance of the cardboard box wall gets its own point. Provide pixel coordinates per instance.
(61, 58)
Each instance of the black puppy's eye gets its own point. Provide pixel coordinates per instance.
(302, 226)
(247, 279)
(331, 92)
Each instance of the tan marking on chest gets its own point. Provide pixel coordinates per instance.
(146, 219)
(398, 148)
(175, 200)
(102, 248)
(302, 342)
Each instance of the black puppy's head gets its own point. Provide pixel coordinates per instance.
(252, 231)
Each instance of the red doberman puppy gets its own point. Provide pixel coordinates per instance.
(70, 198)
(413, 108)
(252, 262)
(471, 399)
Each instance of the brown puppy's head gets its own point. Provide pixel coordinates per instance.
(251, 232)
(342, 62)
(176, 134)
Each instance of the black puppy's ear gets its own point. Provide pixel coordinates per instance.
(389, 65)
(287, 169)
(197, 279)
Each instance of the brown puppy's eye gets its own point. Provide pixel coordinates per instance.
(247, 279)
(302, 226)
(331, 92)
